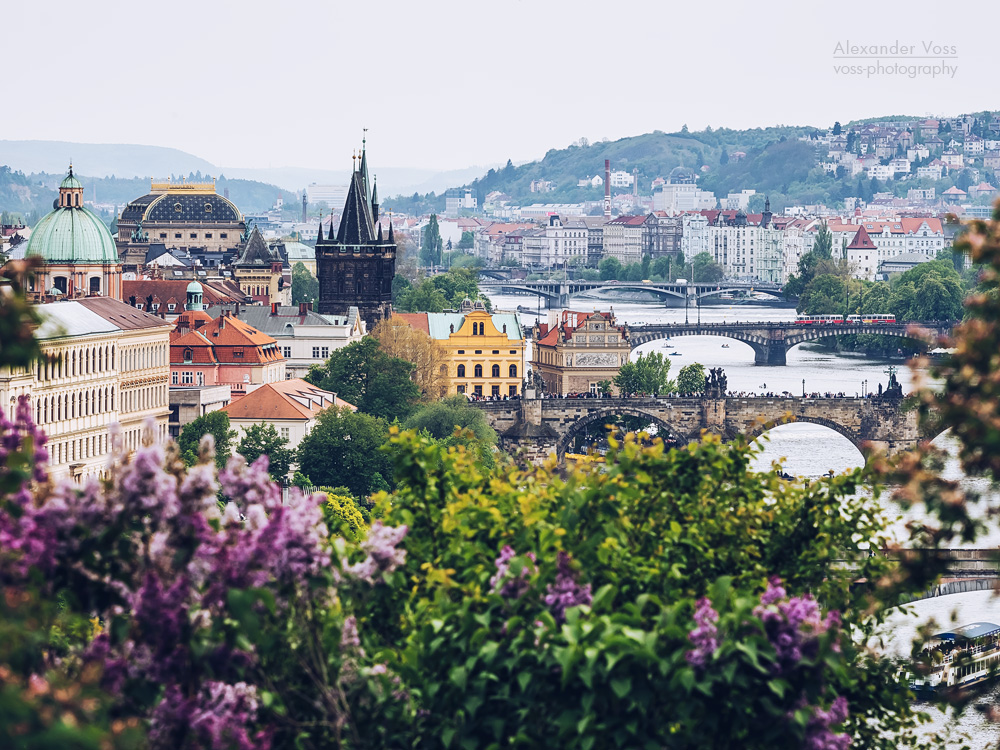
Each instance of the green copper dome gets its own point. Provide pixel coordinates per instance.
(72, 235)
(70, 182)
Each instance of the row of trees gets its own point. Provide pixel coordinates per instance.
(438, 293)
(649, 374)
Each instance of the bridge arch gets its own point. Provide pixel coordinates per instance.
(609, 414)
(758, 428)
(816, 334)
(757, 343)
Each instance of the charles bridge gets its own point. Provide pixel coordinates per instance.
(541, 427)
(771, 341)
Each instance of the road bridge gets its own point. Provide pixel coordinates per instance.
(543, 427)
(558, 292)
(771, 341)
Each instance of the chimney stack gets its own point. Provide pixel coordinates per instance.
(607, 189)
(302, 308)
(274, 308)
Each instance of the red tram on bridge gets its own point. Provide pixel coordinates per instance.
(820, 320)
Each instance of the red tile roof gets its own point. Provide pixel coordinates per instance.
(416, 321)
(287, 399)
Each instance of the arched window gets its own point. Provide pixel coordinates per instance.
(479, 371)
(72, 369)
(112, 357)
(85, 365)
(461, 371)
(512, 372)
(112, 398)
(45, 413)
(495, 371)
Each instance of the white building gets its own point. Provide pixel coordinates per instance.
(457, 200)
(675, 198)
(694, 235)
(624, 239)
(334, 196)
(741, 201)
(929, 172)
(104, 363)
(622, 179)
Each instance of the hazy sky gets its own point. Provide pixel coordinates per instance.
(450, 84)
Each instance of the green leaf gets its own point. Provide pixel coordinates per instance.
(621, 686)
(458, 677)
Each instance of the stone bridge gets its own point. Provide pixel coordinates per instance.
(542, 427)
(558, 292)
(771, 341)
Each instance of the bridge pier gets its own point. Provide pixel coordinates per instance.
(772, 354)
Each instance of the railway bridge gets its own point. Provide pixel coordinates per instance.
(771, 341)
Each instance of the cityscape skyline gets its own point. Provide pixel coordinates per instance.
(432, 92)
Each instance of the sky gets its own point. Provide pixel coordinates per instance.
(445, 84)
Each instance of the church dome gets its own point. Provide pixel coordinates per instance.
(72, 235)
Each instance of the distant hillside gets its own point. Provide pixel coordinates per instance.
(653, 155)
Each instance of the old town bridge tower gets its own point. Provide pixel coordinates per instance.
(355, 268)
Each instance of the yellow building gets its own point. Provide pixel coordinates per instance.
(484, 351)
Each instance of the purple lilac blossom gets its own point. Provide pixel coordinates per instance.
(819, 736)
(511, 587)
(704, 637)
(793, 625)
(383, 555)
(565, 592)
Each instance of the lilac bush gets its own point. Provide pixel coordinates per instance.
(176, 588)
(508, 585)
(565, 592)
(793, 625)
(704, 637)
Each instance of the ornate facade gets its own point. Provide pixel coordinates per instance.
(355, 268)
(185, 215)
(579, 350)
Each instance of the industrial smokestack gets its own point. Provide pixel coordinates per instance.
(607, 189)
(305, 205)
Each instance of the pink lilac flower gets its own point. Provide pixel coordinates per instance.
(565, 592)
(350, 640)
(508, 586)
(383, 554)
(704, 637)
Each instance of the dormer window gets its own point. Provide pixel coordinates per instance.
(188, 355)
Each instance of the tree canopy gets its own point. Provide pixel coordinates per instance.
(429, 359)
(305, 286)
(649, 374)
(262, 439)
(691, 379)
(216, 424)
(362, 374)
(343, 449)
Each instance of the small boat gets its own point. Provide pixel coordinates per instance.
(668, 346)
(961, 657)
(674, 354)
(725, 346)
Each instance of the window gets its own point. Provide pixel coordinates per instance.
(512, 390)
(512, 371)
(194, 235)
(287, 351)
(478, 390)
(461, 351)
(163, 235)
(495, 372)
(479, 351)
(188, 355)
(177, 235)
(495, 391)
(187, 378)
(238, 352)
(208, 235)
(284, 433)
(461, 389)
(223, 235)
(513, 351)
(326, 352)
(173, 378)
(315, 352)
(479, 371)
(461, 371)
(496, 351)
(201, 378)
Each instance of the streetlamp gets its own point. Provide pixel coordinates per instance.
(864, 388)
(803, 387)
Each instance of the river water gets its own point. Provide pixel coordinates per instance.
(809, 450)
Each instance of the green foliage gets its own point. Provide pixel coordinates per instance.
(928, 291)
(343, 449)
(216, 424)
(704, 268)
(454, 421)
(610, 269)
(604, 386)
(431, 244)
(649, 533)
(263, 440)
(824, 295)
(647, 374)
(344, 517)
(468, 241)
(443, 291)
(691, 379)
(305, 286)
(365, 376)
(823, 244)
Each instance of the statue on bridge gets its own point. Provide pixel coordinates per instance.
(716, 384)
(534, 380)
(894, 389)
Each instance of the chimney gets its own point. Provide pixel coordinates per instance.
(302, 308)
(309, 306)
(274, 308)
(222, 321)
(607, 189)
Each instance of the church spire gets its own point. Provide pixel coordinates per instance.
(375, 198)
(319, 237)
(364, 166)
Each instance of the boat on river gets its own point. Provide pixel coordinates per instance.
(962, 657)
